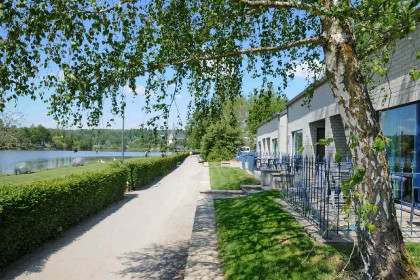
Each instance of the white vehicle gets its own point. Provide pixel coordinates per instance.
(245, 149)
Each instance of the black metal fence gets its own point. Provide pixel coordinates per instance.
(313, 186)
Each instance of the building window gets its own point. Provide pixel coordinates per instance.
(297, 141)
(275, 146)
(400, 125)
(263, 146)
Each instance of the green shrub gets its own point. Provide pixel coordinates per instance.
(144, 170)
(33, 213)
(221, 141)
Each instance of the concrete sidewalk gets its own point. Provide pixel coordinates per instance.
(203, 257)
(144, 236)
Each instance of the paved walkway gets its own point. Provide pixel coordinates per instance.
(145, 236)
(203, 261)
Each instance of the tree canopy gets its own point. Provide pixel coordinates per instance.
(87, 51)
(263, 105)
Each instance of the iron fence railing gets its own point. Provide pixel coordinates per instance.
(313, 186)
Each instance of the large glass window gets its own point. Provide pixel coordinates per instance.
(297, 141)
(400, 125)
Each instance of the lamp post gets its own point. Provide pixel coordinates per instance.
(122, 140)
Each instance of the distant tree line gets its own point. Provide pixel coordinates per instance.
(13, 137)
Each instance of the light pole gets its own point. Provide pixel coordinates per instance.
(122, 140)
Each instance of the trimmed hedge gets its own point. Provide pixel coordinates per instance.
(144, 170)
(30, 214)
(33, 213)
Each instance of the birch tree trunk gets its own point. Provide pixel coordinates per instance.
(382, 251)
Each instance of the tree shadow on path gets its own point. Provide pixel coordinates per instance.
(160, 261)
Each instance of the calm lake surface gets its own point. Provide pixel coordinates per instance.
(53, 159)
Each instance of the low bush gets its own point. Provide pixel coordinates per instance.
(144, 170)
(32, 213)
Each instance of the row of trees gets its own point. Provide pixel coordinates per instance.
(219, 127)
(13, 137)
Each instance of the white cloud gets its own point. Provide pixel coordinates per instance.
(178, 96)
(302, 70)
(59, 75)
(139, 90)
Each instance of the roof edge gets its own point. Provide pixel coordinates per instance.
(320, 82)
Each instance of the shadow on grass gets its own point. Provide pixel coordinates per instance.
(257, 238)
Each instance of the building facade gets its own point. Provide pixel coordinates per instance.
(397, 101)
(270, 139)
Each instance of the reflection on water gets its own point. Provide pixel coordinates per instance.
(53, 159)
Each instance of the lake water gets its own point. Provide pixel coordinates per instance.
(53, 159)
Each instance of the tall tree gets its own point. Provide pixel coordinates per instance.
(263, 104)
(96, 49)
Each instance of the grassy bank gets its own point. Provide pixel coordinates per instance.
(228, 178)
(50, 173)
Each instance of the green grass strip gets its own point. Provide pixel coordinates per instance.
(229, 178)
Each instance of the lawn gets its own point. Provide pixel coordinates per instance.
(229, 178)
(49, 173)
(258, 239)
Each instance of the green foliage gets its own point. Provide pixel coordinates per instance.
(300, 150)
(324, 142)
(381, 142)
(33, 213)
(221, 141)
(219, 108)
(354, 141)
(415, 74)
(82, 139)
(338, 157)
(144, 170)
(95, 49)
(263, 104)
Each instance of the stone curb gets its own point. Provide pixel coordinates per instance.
(222, 192)
(203, 259)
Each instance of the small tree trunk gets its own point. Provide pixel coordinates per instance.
(381, 251)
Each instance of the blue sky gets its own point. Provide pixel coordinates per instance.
(36, 112)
